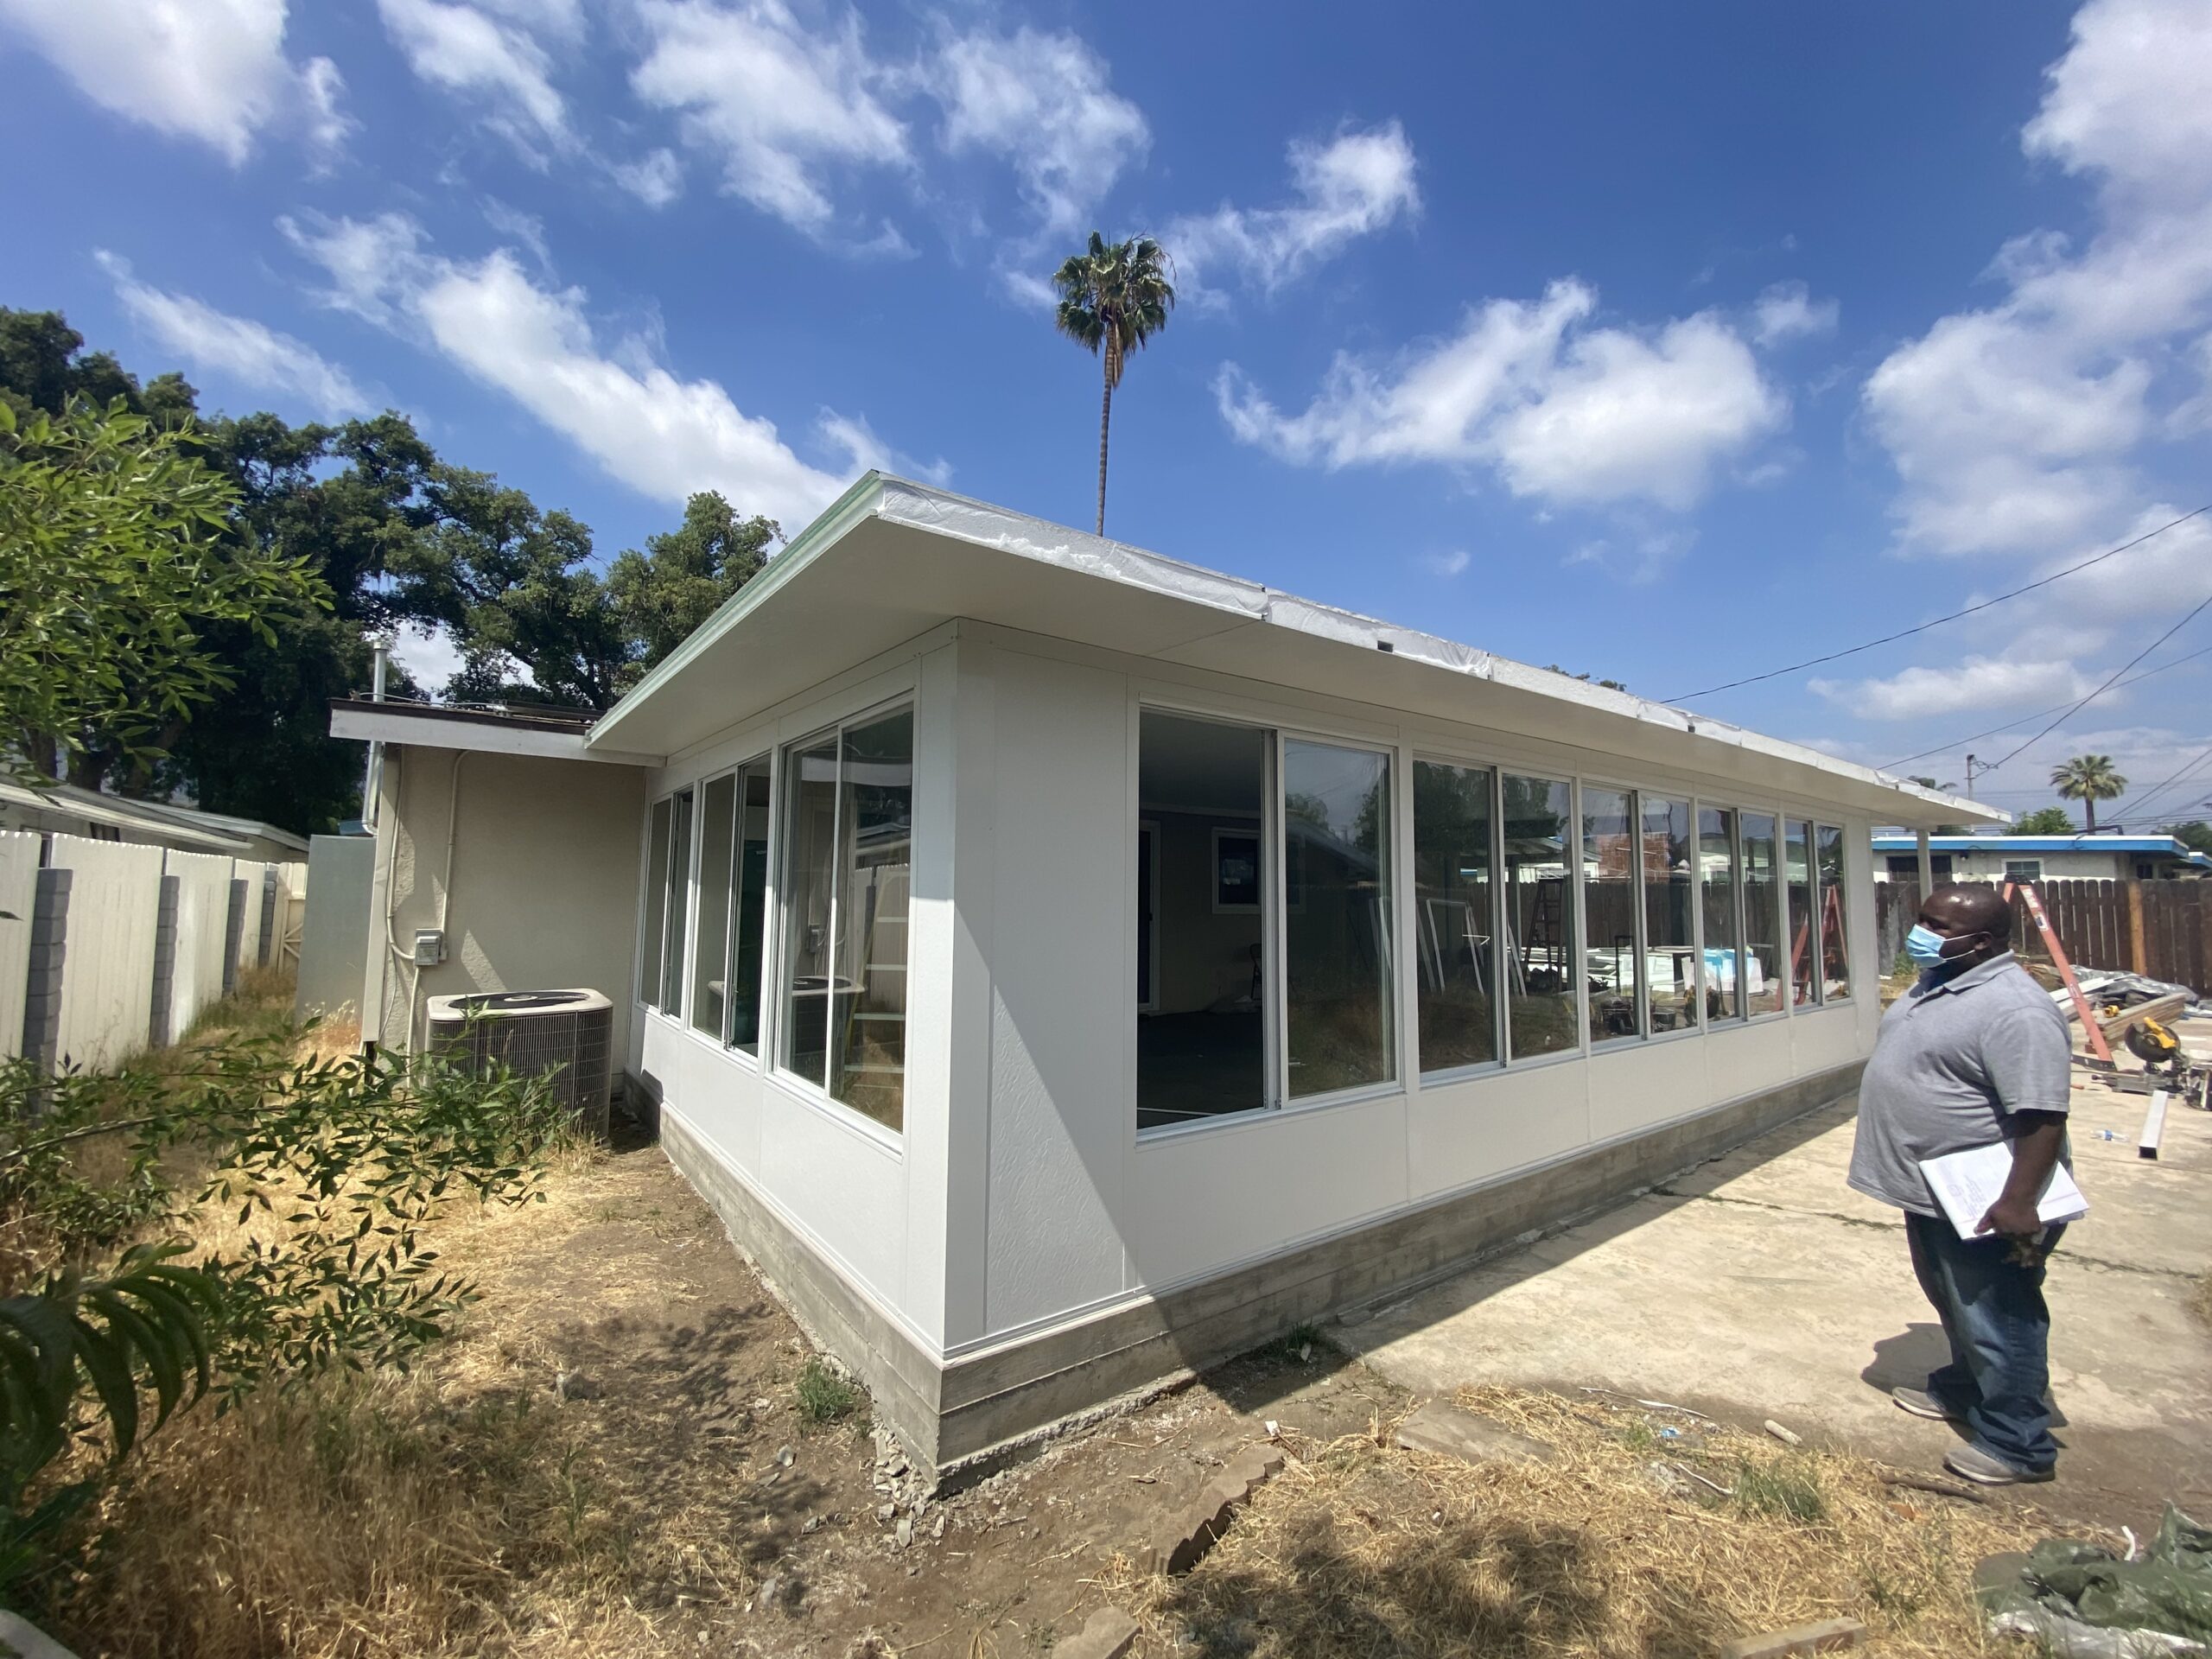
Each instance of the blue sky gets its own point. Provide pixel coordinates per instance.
(1666, 343)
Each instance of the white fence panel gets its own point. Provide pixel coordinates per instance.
(291, 915)
(203, 912)
(107, 972)
(255, 873)
(18, 888)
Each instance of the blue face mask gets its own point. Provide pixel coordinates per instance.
(1925, 946)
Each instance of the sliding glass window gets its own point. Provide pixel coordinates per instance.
(1804, 949)
(1609, 905)
(656, 922)
(717, 849)
(749, 932)
(1456, 905)
(1337, 953)
(1835, 968)
(679, 903)
(1716, 861)
(1670, 920)
(1762, 914)
(1542, 960)
(846, 882)
(1205, 882)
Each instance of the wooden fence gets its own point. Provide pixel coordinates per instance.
(2163, 929)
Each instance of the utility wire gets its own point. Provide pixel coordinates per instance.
(2201, 605)
(1944, 748)
(2143, 801)
(1907, 633)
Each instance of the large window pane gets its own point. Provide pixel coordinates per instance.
(1716, 859)
(1202, 791)
(875, 818)
(1836, 969)
(679, 902)
(1762, 915)
(648, 943)
(810, 877)
(1669, 891)
(717, 848)
(1456, 902)
(747, 935)
(1803, 949)
(1337, 953)
(1540, 954)
(1609, 867)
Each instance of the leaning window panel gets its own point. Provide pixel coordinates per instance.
(1540, 954)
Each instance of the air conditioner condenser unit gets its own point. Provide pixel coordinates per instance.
(568, 1033)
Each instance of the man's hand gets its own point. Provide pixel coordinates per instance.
(2013, 1215)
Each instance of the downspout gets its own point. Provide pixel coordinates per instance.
(372, 779)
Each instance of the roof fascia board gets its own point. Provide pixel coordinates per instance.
(481, 737)
(94, 811)
(848, 510)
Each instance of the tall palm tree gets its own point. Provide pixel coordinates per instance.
(1114, 296)
(2089, 779)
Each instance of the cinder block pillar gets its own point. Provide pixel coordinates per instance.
(158, 1033)
(233, 931)
(49, 947)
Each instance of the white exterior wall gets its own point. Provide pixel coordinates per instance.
(107, 970)
(1058, 1208)
(2057, 866)
(872, 1203)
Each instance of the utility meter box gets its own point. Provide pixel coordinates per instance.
(430, 947)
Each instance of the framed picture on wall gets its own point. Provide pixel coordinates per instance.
(1236, 870)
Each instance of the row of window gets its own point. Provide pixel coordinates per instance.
(845, 861)
(1548, 914)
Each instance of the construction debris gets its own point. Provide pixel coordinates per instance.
(2080, 1601)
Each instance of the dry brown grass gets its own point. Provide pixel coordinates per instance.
(468, 1507)
(1361, 1549)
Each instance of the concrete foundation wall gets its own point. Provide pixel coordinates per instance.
(540, 890)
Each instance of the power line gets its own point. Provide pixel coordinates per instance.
(1944, 748)
(2143, 801)
(2197, 611)
(1907, 633)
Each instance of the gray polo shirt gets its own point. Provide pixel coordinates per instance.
(1956, 1056)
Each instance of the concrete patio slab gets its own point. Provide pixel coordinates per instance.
(1760, 1286)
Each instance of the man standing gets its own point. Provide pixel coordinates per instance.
(1975, 1054)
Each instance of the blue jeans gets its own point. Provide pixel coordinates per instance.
(1992, 1311)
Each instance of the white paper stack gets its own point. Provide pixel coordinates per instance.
(1967, 1183)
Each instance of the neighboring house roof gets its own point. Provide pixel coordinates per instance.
(2152, 846)
(892, 560)
(210, 832)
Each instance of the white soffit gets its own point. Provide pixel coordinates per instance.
(893, 559)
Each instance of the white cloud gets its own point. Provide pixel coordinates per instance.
(464, 50)
(1448, 564)
(427, 652)
(663, 436)
(776, 106)
(212, 70)
(656, 179)
(1789, 311)
(2016, 427)
(1976, 683)
(867, 452)
(253, 354)
(1355, 184)
(1565, 412)
(1041, 103)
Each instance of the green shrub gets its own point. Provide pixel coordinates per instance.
(1785, 1489)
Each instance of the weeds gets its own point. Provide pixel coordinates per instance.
(824, 1396)
(1789, 1490)
(1298, 1344)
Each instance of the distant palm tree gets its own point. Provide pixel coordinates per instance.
(2089, 779)
(1114, 296)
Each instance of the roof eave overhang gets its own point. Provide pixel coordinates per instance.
(391, 723)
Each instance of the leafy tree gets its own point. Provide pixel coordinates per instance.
(2196, 834)
(1114, 297)
(2089, 779)
(43, 366)
(113, 562)
(2044, 821)
(684, 575)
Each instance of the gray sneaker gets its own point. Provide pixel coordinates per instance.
(1987, 1469)
(1920, 1403)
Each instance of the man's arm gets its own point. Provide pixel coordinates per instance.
(2034, 1155)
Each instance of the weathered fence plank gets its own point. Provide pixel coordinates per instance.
(2158, 928)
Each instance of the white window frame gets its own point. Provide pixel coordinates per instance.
(689, 892)
(815, 1090)
(2010, 862)
(1642, 1033)
(1460, 762)
(720, 1042)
